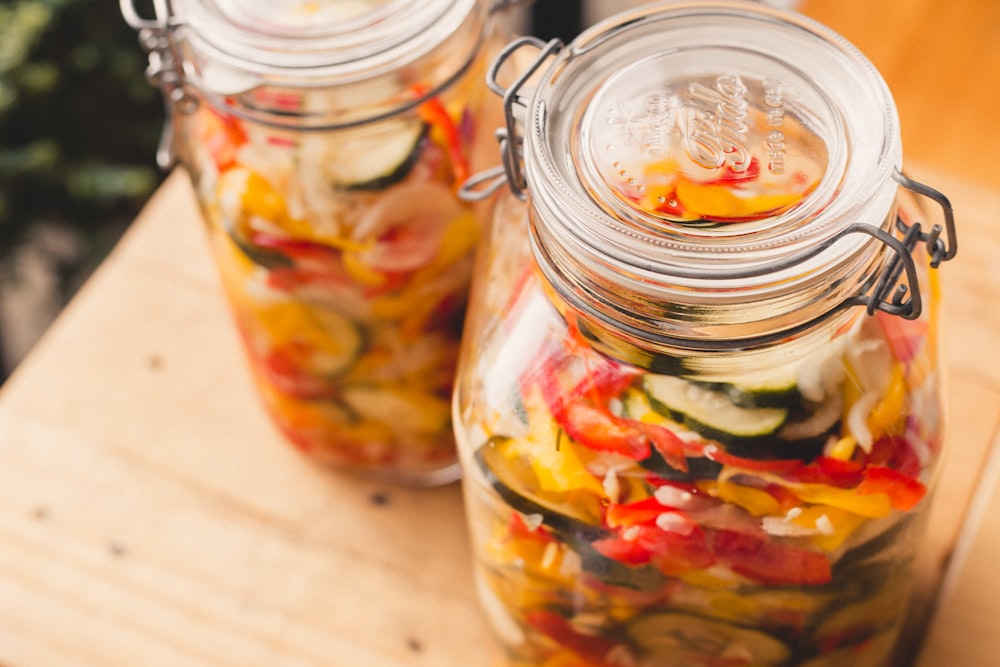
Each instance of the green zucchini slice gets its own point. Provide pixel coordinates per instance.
(346, 338)
(681, 639)
(398, 407)
(780, 392)
(578, 527)
(711, 413)
(373, 158)
(511, 477)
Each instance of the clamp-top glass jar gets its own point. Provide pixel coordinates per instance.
(698, 405)
(326, 142)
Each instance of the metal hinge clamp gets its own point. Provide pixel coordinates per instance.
(511, 171)
(156, 36)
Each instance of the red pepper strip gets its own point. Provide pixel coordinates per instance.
(640, 537)
(286, 368)
(605, 378)
(519, 530)
(675, 551)
(670, 205)
(634, 551)
(555, 626)
(634, 513)
(433, 112)
(599, 430)
(904, 492)
(595, 427)
(604, 382)
(769, 562)
(222, 135)
(730, 176)
(830, 471)
(895, 452)
(786, 499)
(291, 279)
(905, 337)
(299, 249)
(713, 452)
(670, 447)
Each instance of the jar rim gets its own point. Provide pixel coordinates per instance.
(329, 40)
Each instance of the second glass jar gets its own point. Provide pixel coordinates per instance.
(326, 142)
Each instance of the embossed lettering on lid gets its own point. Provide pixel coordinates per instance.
(684, 138)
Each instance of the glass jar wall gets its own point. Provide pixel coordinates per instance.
(326, 142)
(698, 405)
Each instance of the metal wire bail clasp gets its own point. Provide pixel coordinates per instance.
(511, 171)
(899, 297)
(164, 71)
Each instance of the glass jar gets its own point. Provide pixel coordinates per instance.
(698, 402)
(326, 142)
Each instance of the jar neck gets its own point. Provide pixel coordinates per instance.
(707, 359)
(657, 310)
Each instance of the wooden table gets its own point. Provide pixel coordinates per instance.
(151, 515)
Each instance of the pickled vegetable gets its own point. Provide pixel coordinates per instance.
(693, 434)
(346, 257)
(629, 517)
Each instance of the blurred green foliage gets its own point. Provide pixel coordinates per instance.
(79, 123)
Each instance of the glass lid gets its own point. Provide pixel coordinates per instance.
(279, 36)
(688, 138)
(711, 139)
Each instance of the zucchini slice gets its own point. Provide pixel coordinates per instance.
(269, 259)
(400, 408)
(346, 340)
(510, 477)
(636, 405)
(711, 413)
(329, 341)
(867, 652)
(373, 158)
(781, 392)
(681, 639)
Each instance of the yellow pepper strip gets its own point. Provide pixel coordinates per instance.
(460, 237)
(843, 449)
(553, 456)
(835, 525)
(755, 501)
(873, 506)
(262, 200)
(714, 579)
(361, 272)
(887, 415)
(720, 202)
(418, 410)
(567, 658)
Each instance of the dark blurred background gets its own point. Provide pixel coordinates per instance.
(78, 131)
